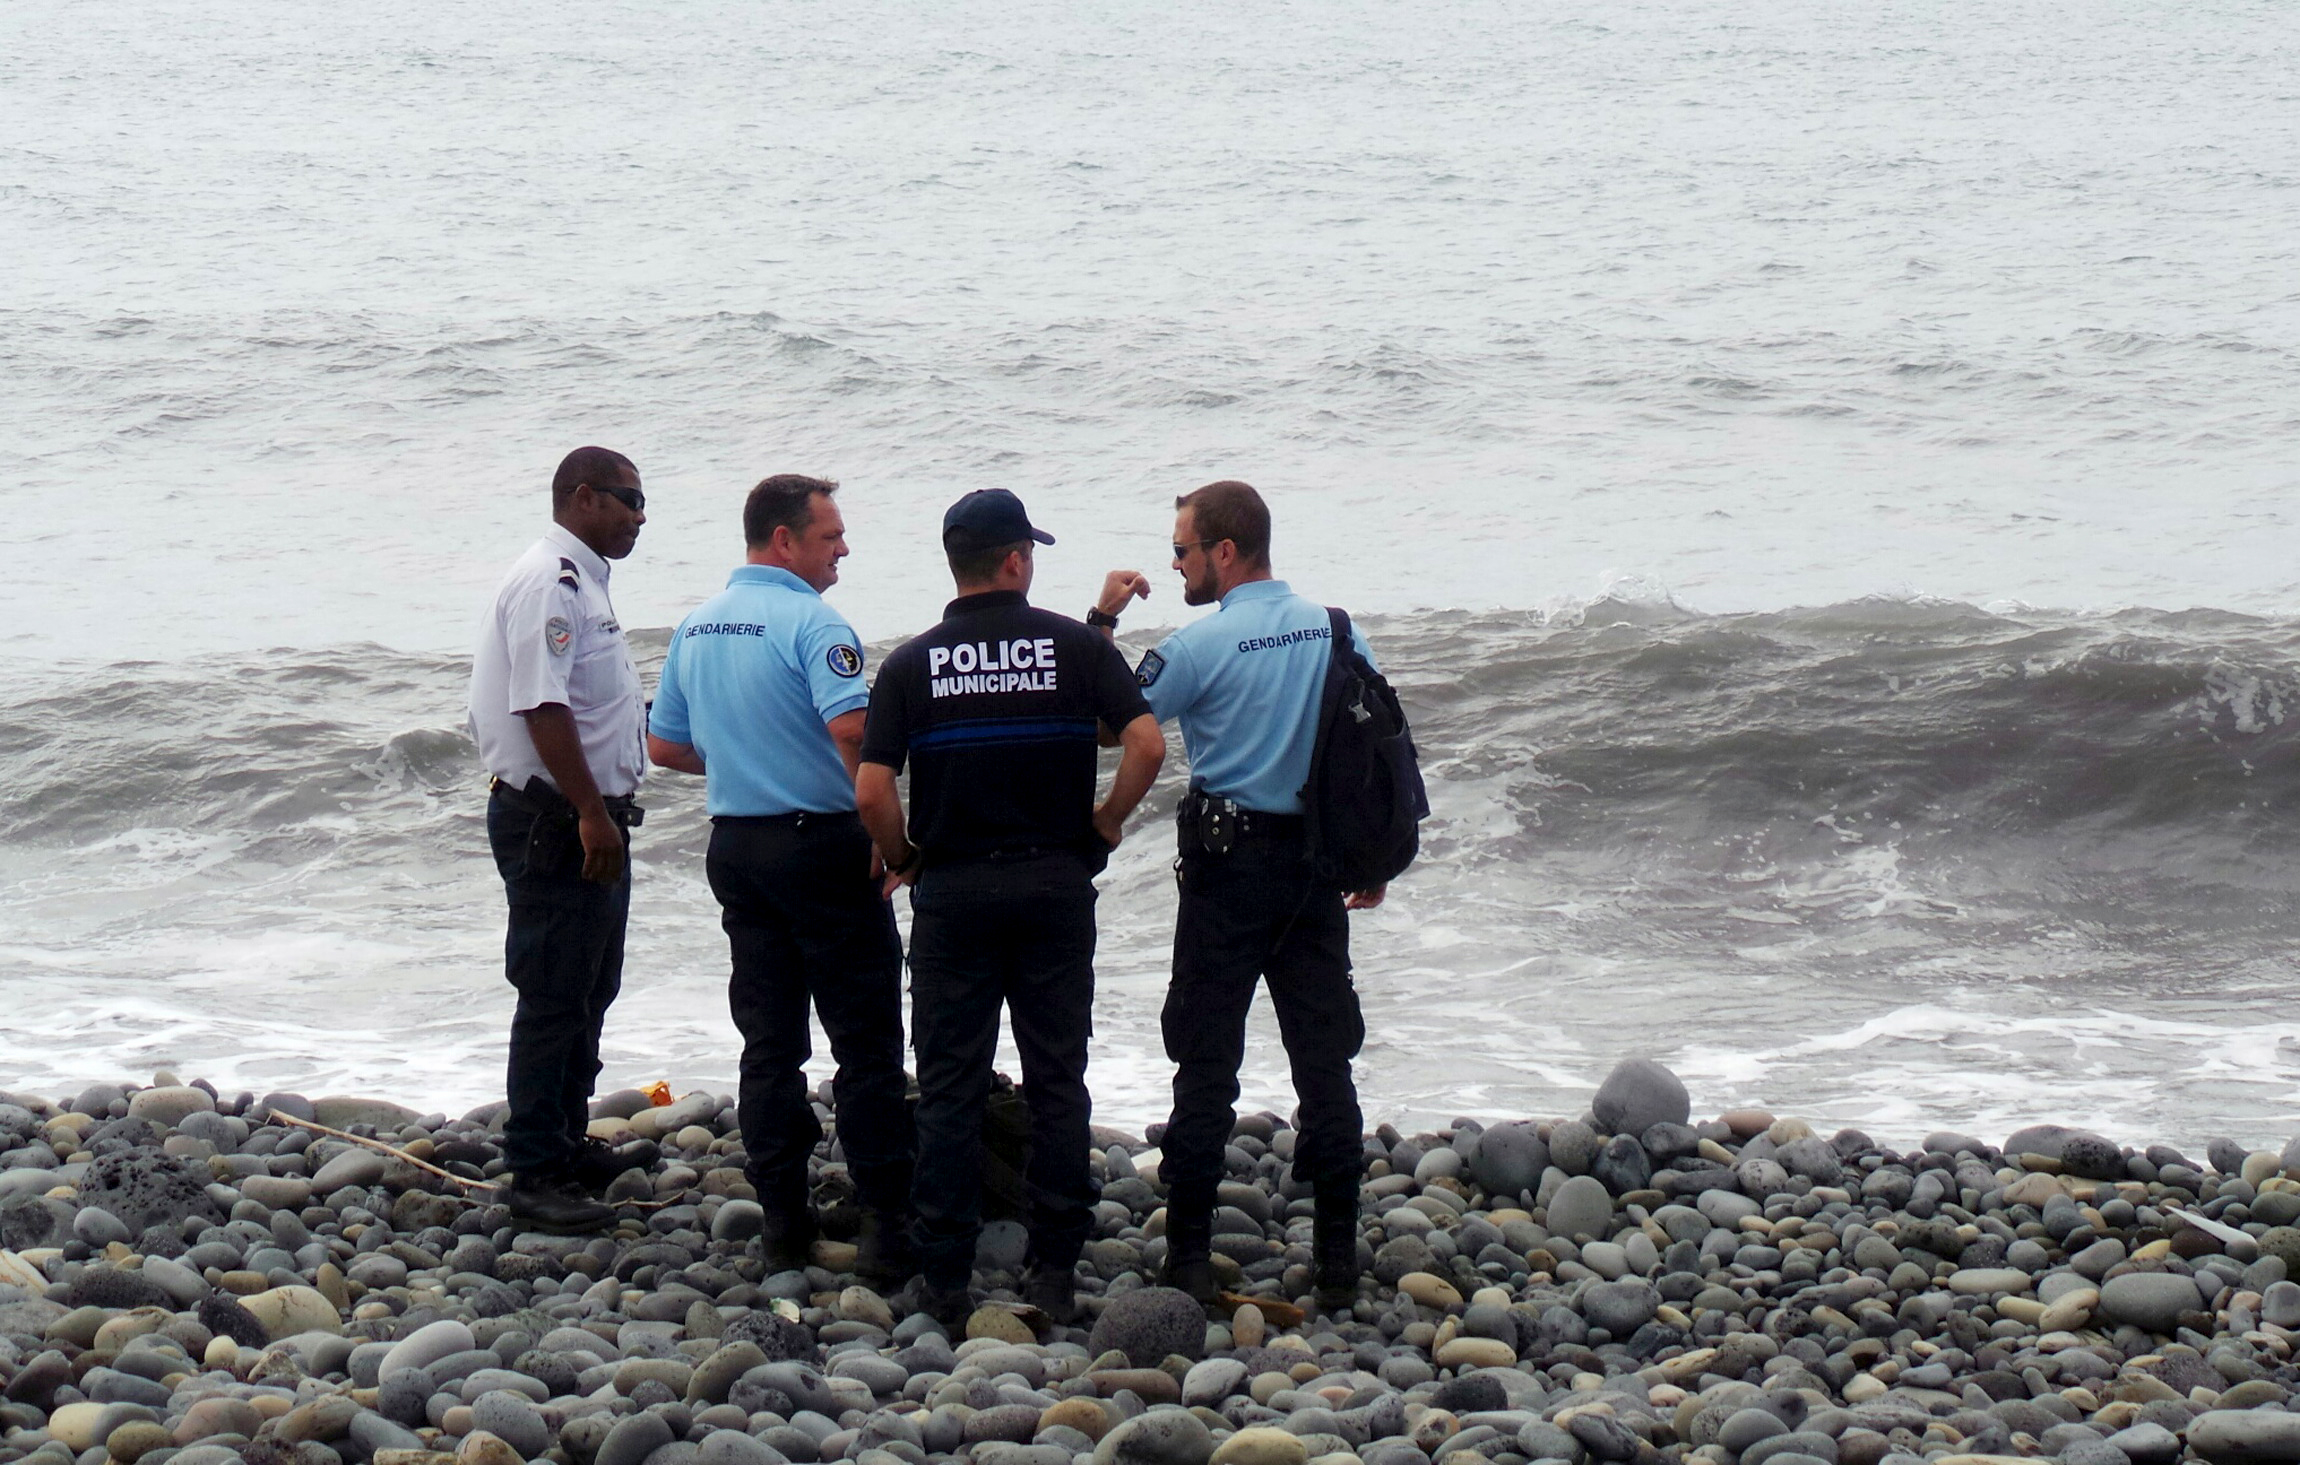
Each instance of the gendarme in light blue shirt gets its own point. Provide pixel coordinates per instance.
(751, 678)
(1245, 682)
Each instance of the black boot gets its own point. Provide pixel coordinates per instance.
(1054, 1291)
(552, 1202)
(1334, 1247)
(596, 1164)
(949, 1306)
(788, 1239)
(884, 1255)
(1190, 1250)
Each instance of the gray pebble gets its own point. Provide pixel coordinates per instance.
(99, 1227)
(1801, 1443)
(1509, 1159)
(1638, 1094)
(882, 1376)
(1573, 1147)
(1621, 1308)
(372, 1432)
(514, 1419)
(1742, 1430)
(633, 1439)
(1169, 1436)
(732, 1447)
(2152, 1301)
(1582, 1206)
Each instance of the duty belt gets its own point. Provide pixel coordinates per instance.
(1212, 825)
(793, 819)
(540, 798)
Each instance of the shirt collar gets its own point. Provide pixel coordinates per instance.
(1257, 590)
(586, 559)
(986, 600)
(774, 575)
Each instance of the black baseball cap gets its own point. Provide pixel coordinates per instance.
(989, 516)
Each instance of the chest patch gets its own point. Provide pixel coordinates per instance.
(558, 634)
(1151, 665)
(844, 660)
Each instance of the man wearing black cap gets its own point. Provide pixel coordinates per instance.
(999, 710)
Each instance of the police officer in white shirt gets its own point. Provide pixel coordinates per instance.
(557, 714)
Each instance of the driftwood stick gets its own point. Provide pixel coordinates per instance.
(393, 1150)
(1280, 1314)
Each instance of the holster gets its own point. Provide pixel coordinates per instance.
(545, 802)
(555, 840)
(1205, 824)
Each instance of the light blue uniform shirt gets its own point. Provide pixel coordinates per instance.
(1246, 682)
(751, 678)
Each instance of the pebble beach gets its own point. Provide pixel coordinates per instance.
(195, 1278)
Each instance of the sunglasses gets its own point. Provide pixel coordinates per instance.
(1182, 549)
(629, 498)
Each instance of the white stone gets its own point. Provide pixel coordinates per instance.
(169, 1105)
(1212, 1381)
(2234, 1436)
(286, 1311)
(1261, 1445)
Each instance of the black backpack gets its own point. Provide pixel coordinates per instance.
(1365, 801)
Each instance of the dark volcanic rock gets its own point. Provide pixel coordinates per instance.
(146, 1187)
(1148, 1324)
(27, 1221)
(778, 1337)
(1470, 1394)
(112, 1287)
(2092, 1158)
(121, 1136)
(162, 1240)
(221, 1314)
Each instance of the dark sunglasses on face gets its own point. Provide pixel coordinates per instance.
(1182, 549)
(629, 498)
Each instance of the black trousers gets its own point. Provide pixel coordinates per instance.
(1254, 914)
(563, 954)
(805, 921)
(986, 933)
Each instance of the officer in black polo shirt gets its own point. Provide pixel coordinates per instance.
(999, 710)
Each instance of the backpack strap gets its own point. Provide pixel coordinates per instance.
(1339, 620)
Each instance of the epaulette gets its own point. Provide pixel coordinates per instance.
(569, 576)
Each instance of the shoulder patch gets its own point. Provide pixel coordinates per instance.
(569, 576)
(558, 634)
(845, 660)
(1151, 665)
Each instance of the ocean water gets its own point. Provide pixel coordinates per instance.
(1822, 478)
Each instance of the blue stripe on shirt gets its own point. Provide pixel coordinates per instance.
(1001, 730)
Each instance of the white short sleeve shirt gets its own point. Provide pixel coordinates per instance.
(552, 636)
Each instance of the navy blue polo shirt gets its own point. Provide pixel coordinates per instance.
(996, 710)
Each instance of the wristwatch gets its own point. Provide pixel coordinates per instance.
(1099, 617)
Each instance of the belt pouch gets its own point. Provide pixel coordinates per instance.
(1208, 825)
(554, 844)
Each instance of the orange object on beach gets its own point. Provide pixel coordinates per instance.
(658, 1093)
